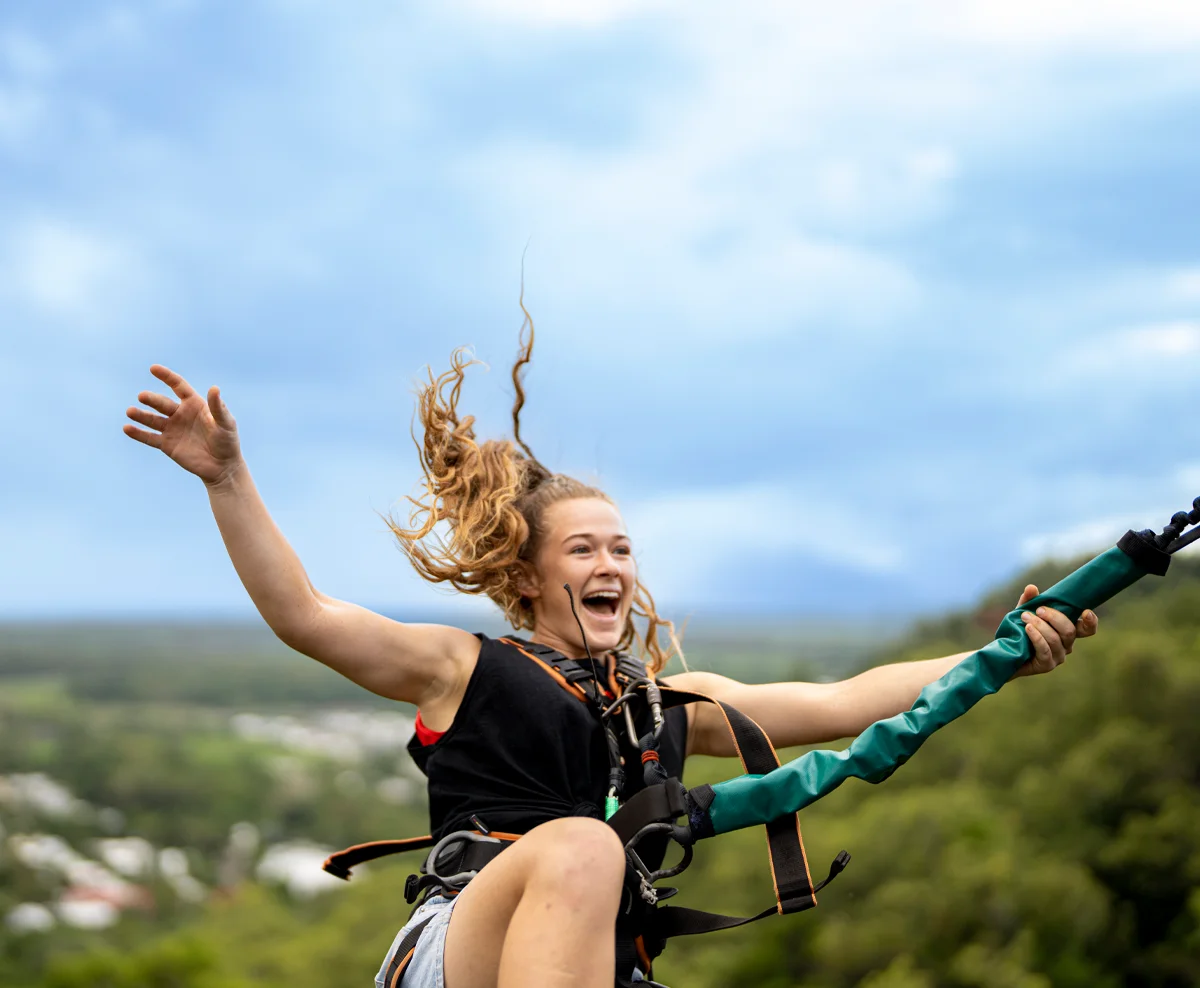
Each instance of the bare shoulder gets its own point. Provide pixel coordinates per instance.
(709, 683)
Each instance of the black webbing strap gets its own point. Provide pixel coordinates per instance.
(654, 804)
(403, 954)
(626, 955)
(342, 862)
(679, 921)
(789, 865)
(664, 922)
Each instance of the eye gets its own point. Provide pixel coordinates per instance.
(580, 549)
(623, 550)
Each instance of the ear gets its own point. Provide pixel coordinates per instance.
(528, 584)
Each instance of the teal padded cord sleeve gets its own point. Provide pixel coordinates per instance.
(887, 744)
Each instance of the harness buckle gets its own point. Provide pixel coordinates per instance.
(463, 850)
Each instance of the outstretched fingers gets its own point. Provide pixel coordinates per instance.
(173, 381)
(220, 413)
(142, 436)
(149, 419)
(160, 403)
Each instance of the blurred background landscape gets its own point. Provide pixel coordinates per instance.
(864, 315)
(168, 793)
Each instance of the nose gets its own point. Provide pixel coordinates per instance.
(607, 564)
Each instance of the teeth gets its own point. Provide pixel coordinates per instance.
(607, 594)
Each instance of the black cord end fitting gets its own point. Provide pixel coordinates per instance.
(698, 800)
(1143, 549)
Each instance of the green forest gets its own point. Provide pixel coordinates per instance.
(165, 792)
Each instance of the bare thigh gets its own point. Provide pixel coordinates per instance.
(546, 906)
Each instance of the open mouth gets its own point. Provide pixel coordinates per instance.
(603, 603)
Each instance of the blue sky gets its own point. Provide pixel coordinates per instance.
(854, 312)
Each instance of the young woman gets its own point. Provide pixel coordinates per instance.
(498, 740)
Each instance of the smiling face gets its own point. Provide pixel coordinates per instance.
(581, 541)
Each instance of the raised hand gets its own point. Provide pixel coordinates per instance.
(197, 433)
(1052, 634)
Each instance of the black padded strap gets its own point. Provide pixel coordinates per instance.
(342, 862)
(578, 672)
(631, 668)
(785, 845)
(654, 804)
(468, 856)
(403, 955)
(574, 674)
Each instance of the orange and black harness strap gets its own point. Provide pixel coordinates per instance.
(404, 954)
(341, 863)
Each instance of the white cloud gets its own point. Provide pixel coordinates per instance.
(1156, 349)
(689, 542)
(24, 57)
(1121, 24)
(1093, 535)
(1167, 339)
(1184, 284)
(574, 13)
(1151, 358)
(1176, 487)
(656, 234)
(756, 182)
(81, 278)
(1111, 24)
(21, 113)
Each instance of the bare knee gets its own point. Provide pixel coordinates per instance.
(577, 856)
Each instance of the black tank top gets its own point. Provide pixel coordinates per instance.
(522, 750)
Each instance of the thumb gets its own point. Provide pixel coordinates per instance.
(1027, 594)
(220, 413)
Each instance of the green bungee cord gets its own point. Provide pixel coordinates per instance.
(883, 747)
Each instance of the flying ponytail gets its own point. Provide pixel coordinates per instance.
(476, 521)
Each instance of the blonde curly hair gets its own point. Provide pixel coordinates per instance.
(492, 497)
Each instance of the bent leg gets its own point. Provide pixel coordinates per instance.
(542, 913)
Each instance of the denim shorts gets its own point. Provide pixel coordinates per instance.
(427, 969)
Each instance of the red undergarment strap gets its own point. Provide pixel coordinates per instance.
(424, 734)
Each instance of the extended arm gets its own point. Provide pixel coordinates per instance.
(816, 713)
(416, 663)
(807, 713)
(412, 662)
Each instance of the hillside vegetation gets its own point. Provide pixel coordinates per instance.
(1049, 838)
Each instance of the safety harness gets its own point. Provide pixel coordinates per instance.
(663, 808)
